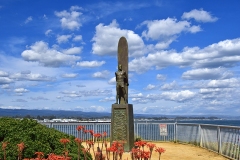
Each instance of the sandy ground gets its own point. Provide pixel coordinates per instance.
(176, 151)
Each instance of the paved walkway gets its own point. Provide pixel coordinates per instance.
(176, 151)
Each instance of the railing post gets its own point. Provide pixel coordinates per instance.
(200, 135)
(175, 134)
(219, 140)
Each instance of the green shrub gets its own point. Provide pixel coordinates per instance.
(36, 138)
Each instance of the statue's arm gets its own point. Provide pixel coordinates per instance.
(125, 76)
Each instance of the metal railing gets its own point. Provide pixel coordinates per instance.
(224, 140)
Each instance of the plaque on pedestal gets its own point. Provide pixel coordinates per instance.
(122, 125)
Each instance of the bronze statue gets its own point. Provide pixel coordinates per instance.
(122, 83)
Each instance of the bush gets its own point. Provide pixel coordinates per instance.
(36, 138)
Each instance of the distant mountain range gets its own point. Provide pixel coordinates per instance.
(75, 114)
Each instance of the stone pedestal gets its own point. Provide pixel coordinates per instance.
(122, 125)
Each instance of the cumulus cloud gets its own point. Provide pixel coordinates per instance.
(199, 16)
(104, 74)
(108, 99)
(105, 41)
(70, 20)
(69, 75)
(5, 80)
(3, 74)
(29, 19)
(73, 50)
(165, 31)
(150, 87)
(84, 93)
(27, 75)
(5, 86)
(90, 64)
(169, 86)
(112, 81)
(222, 54)
(63, 38)
(160, 77)
(225, 83)
(40, 52)
(20, 91)
(207, 73)
(91, 109)
(19, 100)
(77, 38)
(48, 32)
(178, 96)
(38, 98)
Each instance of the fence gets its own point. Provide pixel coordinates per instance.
(224, 140)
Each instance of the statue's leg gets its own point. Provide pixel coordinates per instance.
(124, 95)
(117, 94)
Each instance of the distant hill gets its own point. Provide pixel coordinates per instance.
(77, 114)
(57, 113)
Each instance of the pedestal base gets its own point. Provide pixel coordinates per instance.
(122, 125)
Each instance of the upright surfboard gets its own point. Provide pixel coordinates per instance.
(123, 58)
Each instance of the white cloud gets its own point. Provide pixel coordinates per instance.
(178, 96)
(5, 80)
(199, 15)
(91, 109)
(20, 91)
(70, 20)
(63, 38)
(38, 98)
(167, 30)
(222, 54)
(112, 81)
(90, 64)
(48, 32)
(150, 87)
(169, 86)
(161, 77)
(30, 76)
(73, 50)
(69, 75)
(138, 95)
(39, 52)
(107, 37)
(225, 83)
(29, 19)
(104, 74)
(77, 38)
(108, 99)
(3, 74)
(5, 86)
(207, 73)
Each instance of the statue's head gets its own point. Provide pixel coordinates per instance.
(120, 67)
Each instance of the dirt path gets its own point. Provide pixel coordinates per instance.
(176, 151)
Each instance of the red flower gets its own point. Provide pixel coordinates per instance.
(140, 143)
(85, 131)
(39, 154)
(79, 128)
(77, 140)
(145, 154)
(151, 146)
(160, 150)
(4, 145)
(90, 143)
(104, 134)
(64, 140)
(97, 135)
(21, 146)
(91, 132)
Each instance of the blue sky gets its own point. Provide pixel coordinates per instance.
(61, 55)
